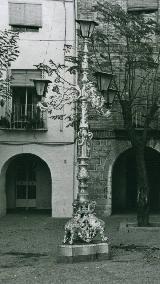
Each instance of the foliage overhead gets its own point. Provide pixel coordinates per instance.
(128, 46)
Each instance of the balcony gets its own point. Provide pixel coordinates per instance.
(25, 117)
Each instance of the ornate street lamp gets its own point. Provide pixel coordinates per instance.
(41, 86)
(84, 224)
(86, 27)
(86, 30)
(104, 80)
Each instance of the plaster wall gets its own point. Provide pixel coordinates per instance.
(55, 146)
(36, 47)
(60, 162)
(57, 29)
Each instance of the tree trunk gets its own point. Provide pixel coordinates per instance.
(138, 142)
(142, 187)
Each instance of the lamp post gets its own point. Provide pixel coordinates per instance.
(84, 224)
(84, 136)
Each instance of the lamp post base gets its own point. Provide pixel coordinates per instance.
(83, 252)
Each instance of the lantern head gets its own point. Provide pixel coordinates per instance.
(86, 27)
(103, 80)
(41, 86)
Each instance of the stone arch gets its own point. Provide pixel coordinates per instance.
(6, 169)
(124, 184)
(117, 149)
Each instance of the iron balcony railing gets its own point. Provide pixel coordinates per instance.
(25, 116)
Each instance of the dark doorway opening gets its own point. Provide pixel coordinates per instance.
(28, 184)
(124, 182)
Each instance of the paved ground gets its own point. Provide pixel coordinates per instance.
(28, 245)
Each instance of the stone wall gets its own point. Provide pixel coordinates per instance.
(104, 155)
(101, 158)
(105, 151)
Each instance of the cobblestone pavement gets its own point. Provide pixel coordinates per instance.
(28, 245)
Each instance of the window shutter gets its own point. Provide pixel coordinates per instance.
(25, 14)
(16, 14)
(33, 15)
(142, 5)
(21, 78)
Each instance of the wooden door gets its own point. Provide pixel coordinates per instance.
(25, 185)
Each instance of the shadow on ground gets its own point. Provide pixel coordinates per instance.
(28, 248)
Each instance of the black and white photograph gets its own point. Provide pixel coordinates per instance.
(79, 141)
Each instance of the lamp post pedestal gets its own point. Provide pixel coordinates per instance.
(83, 252)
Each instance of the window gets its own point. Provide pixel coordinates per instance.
(25, 114)
(21, 110)
(25, 16)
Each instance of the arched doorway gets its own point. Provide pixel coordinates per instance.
(28, 183)
(124, 182)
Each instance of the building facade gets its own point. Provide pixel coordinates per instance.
(37, 152)
(112, 166)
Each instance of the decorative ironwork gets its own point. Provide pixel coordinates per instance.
(27, 117)
(84, 224)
